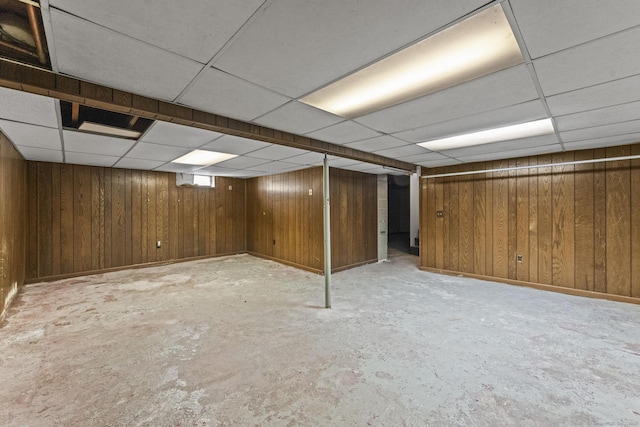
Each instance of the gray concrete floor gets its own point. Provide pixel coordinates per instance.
(241, 341)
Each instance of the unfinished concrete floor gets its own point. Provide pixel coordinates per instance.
(241, 341)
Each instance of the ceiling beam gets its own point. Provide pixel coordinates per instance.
(35, 80)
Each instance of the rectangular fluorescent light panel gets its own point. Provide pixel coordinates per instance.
(203, 158)
(108, 130)
(475, 47)
(507, 133)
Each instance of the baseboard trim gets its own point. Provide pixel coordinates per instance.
(285, 262)
(33, 280)
(540, 286)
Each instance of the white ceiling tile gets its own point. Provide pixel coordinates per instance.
(529, 151)
(276, 167)
(94, 53)
(178, 168)
(197, 30)
(513, 114)
(40, 154)
(602, 60)
(214, 170)
(27, 108)
(594, 97)
(601, 131)
(309, 158)
(426, 157)
(293, 47)
(235, 145)
(139, 164)
(89, 159)
(276, 152)
(298, 118)
(360, 167)
(31, 135)
(157, 152)
(503, 146)
(241, 162)
(438, 163)
(550, 25)
(244, 173)
(608, 141)
(339, 162)
(404, 151)
(178, 135)
(376, 144)
(501, 89)
(220, 93)
(599, 117)
(343, 133)
(82, 142)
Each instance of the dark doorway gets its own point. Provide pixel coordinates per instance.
(399, 212)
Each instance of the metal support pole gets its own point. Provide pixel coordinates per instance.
(327, 233)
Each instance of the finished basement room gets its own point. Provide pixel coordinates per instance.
(336, 213)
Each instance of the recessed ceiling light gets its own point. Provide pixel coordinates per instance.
(475, 47)
(522, 130)
(203, 158)
(108, 130)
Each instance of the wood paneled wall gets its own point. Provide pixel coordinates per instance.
(576, 227)
(13, 204)
(354, 218)
(284, 221)
(84, 218)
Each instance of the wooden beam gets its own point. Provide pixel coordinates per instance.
(75, 112)
(43, 82)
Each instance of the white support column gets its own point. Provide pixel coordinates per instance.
(414, 206)
(327, 233)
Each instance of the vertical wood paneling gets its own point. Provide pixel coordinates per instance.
(533, 222)
(522, 221)
(574, 225)
(600, 223)
(466, 224)
(32, 225)
(500, 221)
(105, 218)
(635, 223)
(563, 225)
(618, 214)
(584, 222)
(545, 224)
(82, 218)
(66, 219)
(479, 220)
(13, 220)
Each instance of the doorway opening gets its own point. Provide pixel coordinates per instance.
(399, 221)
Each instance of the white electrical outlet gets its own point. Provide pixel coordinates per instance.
(158, 244)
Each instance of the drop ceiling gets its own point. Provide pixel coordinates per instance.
(254, 60)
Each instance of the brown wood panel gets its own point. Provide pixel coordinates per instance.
(66, 219)
(96, 214)
(105, 218)
(82, 218)
(533, 221)
(152, 217)
(618, 234)
(584, 222)
(221, 200)
(128, 219)
(14, 205)
(574, 225)
(500, 224)
(479, 220)
(118, 226)
(32, 222)
(635, 223)
(512, 208)
(600, 223)
(545, 223)
(45, 223)
(466, 223)
(55, 217)
(562, 256)
(136, 217)
(522, 221)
